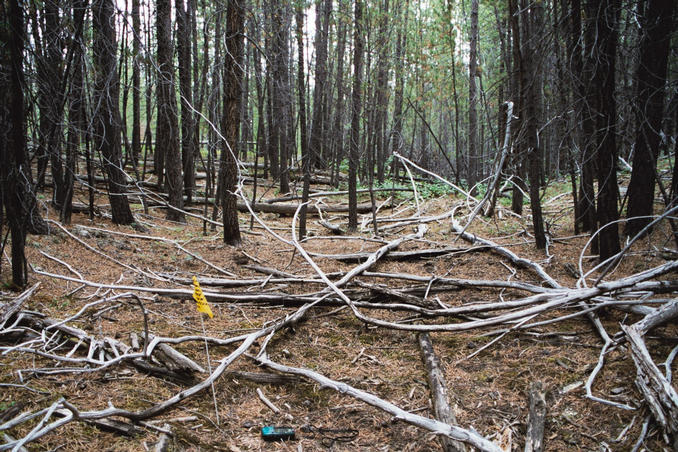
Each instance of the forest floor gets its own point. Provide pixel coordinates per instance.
(488, 391)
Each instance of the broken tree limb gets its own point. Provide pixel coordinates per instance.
(443, 180)
(321, 194)
(7, 310)
(394, 255)
(438, 385)
(374, 257)
(289, 209)
(334, 229)
(513, 257)
(659, 393)
(536, 419)
(493, 189)
(469, 436)
(75, 414)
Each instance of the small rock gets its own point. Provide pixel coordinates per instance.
(84, 233)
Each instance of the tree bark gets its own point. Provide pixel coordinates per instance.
(233, 75)
(531, 83)
(320, 95)
(136, 83)
(473, 156)
(355, 116)
(657, 25)
(188, 149)
(13, 157)
(438, 385)
(107, 111)
(306, 158)
(167, 132)
(608, 188)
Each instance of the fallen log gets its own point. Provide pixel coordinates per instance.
(438, 386)
(290, 209)
(9, 309)
(393, 255)
(536, 419)
(469, 436)
(333, 193)
(660, 395)
(287, 210)
(334, 229)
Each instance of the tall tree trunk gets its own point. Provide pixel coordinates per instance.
(49, 71)
(302, 120)
(167, 133)
(518, 94)
(473, 157)
(397, 129)
(188, 149)
(317, 144)
(605, 137)
(14, 189)
(233, 77)
(136, 84)
(587, 206)
(354, 157)
(651, 77)
(107, 110)
(338, 128)
(382, 90)
(76, 110)
(280, 95)
(531, 34)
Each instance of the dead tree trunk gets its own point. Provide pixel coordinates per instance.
(355, 116)
(107, 111)
(233, 74)
(167, 136)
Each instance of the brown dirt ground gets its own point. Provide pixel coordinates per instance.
(488, 391)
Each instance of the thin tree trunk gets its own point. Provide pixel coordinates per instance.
(107, 112)
(651, 78)
(15, 189)
(397, 130)
(532, 24)
(338, 141)
(188, 150)
(233, 77)
(317, 144)
(473, 156)
(302, 120)
(136, 88)
(167, 136)
(608, 189)
(518, 185)
(355, 116)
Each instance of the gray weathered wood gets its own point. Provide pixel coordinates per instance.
(536, 419)
(438, 386)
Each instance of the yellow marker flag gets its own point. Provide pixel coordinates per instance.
(200, 299)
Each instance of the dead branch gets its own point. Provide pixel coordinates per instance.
(495, 248)
(469, 436)
(321, 194)
(659, 394)
(394, 255)
(438, 386)
(7, 310)
(74, 414)
(536, 419)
